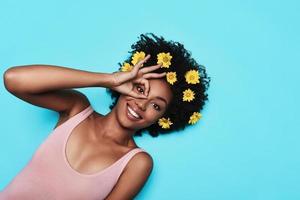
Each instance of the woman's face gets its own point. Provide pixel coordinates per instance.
(138, 113)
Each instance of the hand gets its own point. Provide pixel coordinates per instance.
(124, 81)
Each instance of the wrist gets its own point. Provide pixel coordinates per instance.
(114, 79)
(105, 80)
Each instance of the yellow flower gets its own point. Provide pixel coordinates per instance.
(195, 117)
(188, 95)
(126, 67)
(171, 77)
(192, 76)
(165, 59)
(165, 122)
(137, 56)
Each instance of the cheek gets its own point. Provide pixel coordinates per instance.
(152, 115)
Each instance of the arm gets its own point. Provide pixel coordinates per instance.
(43, 78)
(51, 86)
(133, 178)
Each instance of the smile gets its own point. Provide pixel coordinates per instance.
(132, 114)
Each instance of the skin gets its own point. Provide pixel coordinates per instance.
(114, 133)
(99, 140)
(151, 109)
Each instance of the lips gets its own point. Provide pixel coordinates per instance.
(131, 114)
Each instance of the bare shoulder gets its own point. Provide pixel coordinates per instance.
(142, 161)
(137, 172)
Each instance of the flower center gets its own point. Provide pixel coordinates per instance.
(165, 59)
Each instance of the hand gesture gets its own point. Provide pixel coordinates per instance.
(124, 81)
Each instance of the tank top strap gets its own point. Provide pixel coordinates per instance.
(127, 158)
(76, 119)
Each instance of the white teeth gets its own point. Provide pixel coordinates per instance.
(134, 113)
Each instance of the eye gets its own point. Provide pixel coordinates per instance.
(156, 107)
(140, 89)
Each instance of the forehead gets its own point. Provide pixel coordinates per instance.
(160, 87)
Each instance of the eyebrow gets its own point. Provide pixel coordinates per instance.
(158, 97)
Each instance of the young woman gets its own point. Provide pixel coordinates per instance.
(93, 156)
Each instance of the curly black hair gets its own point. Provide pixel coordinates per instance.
(178, 111)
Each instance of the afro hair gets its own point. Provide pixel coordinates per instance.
(178, 111)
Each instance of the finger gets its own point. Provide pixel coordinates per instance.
(141, 62)
(146, 58)
(151, 68)
(147, 86)
(135, 70)
(154, 75)
(137, 80)
(138, 65)
(136, 95)
(145, 82)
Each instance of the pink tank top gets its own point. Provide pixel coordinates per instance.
(48, 175)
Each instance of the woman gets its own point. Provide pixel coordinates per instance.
(94, 156)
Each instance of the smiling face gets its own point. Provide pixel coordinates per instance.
(135, 113)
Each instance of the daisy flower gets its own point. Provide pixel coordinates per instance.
(188, 95)
(165, 59)
(194, 117)
(171, 77)
(137, 56)
(192, 76)
(165, 122)
(126, 67)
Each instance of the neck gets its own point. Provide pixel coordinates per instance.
(109, 128)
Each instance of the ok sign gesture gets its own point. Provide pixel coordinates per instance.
(124, 81)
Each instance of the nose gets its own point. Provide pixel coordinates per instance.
(141, 104)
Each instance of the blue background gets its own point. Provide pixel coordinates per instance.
(246, 146)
